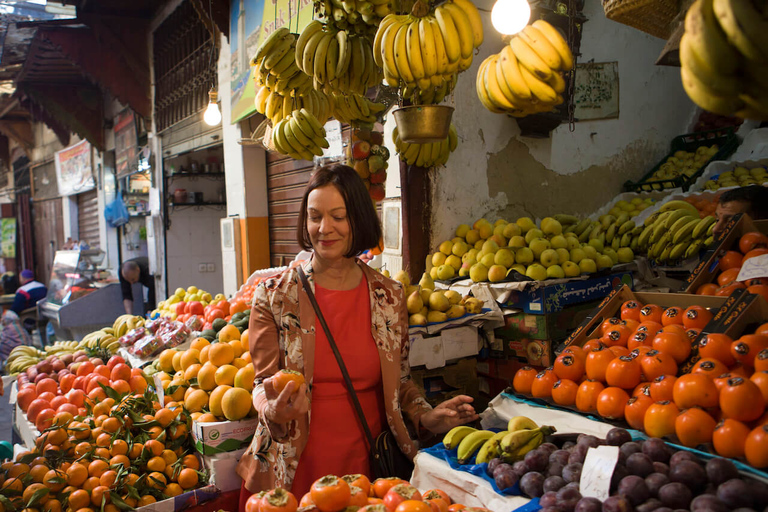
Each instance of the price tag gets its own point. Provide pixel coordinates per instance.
(159, 388)
(753, 268)
(335, 147)
(597, 472)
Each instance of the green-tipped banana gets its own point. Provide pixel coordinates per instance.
(566, 219)
(658, 231)
(454, 436)
(651, 219)
(694, 248)
(645, 237)
(678, 250)
(610, 233)
(491, 449)
(621, 219)
(582, 226)
(637, 230)
(702, 227)
(679, 223)
(521, 423)
(471, 444)
(684, 233)
(709, 240)
(626, 240)
(607, 220)
(626, 227)
(519, 454)
(513, 441)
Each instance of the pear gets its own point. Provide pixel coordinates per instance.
(436, 317)
(455, 311)
(427, 282)
(404, 278)
(425, 293)
(410, 289)
(453, 296)
(417, 319)
(438, 302)
(414, 303)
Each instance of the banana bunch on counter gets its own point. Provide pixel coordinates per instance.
(103, 338)
(675, 232)
(126, 323)
(21, 358)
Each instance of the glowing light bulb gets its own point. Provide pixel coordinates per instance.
(510, 16)
(212, 116)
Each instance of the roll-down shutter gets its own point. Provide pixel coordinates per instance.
(88, 218)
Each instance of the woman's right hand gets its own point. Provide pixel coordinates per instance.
(285, 406)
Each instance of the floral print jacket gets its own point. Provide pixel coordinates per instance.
(282, 335)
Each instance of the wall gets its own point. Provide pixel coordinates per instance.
(570, 172)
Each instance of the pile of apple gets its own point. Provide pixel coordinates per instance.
(369, 158)
(191, 301)
(550, 250)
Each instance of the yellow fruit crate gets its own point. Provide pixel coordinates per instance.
(650, 16)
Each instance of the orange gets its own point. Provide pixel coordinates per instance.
(79, 499)
(695, 390)
(77, 474)
(146, 500)
(611, 402)
(221, 353)
(659, 420)
(228, 333)
(586, 395)
(694, 427)
(32, 489)
(120, 460)
(154, 447)
(55, 480)
(191, 461)
(165, 416)
(91, 483)
(119, 447)
(188, 478)
(756, 447)
(99, 493)
(108, 478)
(135, 451)
(156, 480)
(523, 380)
(97, 468)
(37, 472)
(741, 399)
(564, 392)
(156, 464)
(173, 489)
(13, 484)
(729, 438)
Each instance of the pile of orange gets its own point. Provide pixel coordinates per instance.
(750, 245)
(640, 370)
(127, 450)
(706, 203)
(334, 494)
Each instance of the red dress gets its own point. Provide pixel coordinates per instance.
(337, 444)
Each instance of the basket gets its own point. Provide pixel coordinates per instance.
(726, 140)
(650, 16)
(420, 124)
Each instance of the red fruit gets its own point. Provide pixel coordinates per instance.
(378, 177)
(361, 150)
(36, 407)
(752, 240)
(377, 192)
(121, 371)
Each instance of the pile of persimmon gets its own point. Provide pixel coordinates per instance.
(750, 245)
(643, 369)
(334, 494)
(127, 452)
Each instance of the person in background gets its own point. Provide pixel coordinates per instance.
(28, 293)
(12, 334)
(752, 200)
(311, 430)
(136, 271)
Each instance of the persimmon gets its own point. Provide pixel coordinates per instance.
(644, 388)
(591, 345)
(597, 363)
(672, 315)
(745, 349)
(649, 327)
(721, 380)
(673, 328)
(761, 361)
(740, 370)
(695, 389)
(729, 438)
(634, 410)
(754, 252)
(616, 336)
(761, 380)
(630, 324)
(729, 261)
(752, 240)
(619, 351)
(630, 309)
(741, 399)
(623, 372)
(564, 392)
(611, 402)
(717, 346)
(640, 351)
(762, 329)
(712, 368)
(608, 324)
(586, 395)
(674, 344)
(661, 388)
(696, 317)
(694, 427)
(727, 290)
(651, 312)
(569, 366)
(542, 384)
(639, 339)
(576, 351)
(758, 289)
(659, 420)
(523, 380)
(707, 289)
(693, 335)
(756, 447)
(655, 364)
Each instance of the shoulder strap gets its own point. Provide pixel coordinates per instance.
(336, 353)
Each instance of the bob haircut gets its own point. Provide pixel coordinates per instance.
(363, 221)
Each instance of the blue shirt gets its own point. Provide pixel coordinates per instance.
(28, 295)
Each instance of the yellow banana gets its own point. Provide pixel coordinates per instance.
(529, 59)
(428, 50)
(474, 19)
(745, 27)
(463, 27)
(727, 85)
(450, 35)
(490, 449)
(472, 443)
(521, 423)
(706, 98)
(413, 51)
(709, 40)
(512, 75)
(454, 436)
(541, 90)
(558, 41)
(541, 46)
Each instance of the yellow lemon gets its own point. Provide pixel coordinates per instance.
(189, 357)
(192, 289)
(206, 377)
(221, 353)
(225, 375)
(214, 401)
(236, 404)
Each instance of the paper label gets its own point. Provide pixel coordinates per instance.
(335, 147)
(753, 268)
(597, 472)
(159, 388)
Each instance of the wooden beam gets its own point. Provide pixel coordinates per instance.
(20, 131)
(104, 33)
(416, 204)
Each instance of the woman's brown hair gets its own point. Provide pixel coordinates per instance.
(363, 221)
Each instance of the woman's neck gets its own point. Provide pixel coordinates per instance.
(342, 274)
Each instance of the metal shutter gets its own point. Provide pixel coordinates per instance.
(88, 218)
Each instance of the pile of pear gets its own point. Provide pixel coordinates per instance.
(633, 207)
(683, 163)
(427, 306)
(740, 176)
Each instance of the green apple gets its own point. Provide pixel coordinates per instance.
(446, 247)
(551, 227)
(597, 244)
(517, 240)
(536, 272)
(464, 270)
(485, 230)
(588, 266)
(577, 254)
(490, 246)
(625, 255)
(499, 239)
(558, 242)
(472, 236)
(549, 257)
(525, 223)
(497, 273)
(608, 251)
(511, 229)
(460, 248)
(539, 245)
(488, 259)
(555, 272)
(590, 251)
(433, 273)
(438, 259)
(498, 229)
(453, 261)
(573, 241)
(462, 230)
(571, 269)
(562, 256)
(504, 257)
(604, 261)
(524, 256)
(533, 233)
(456, 240)
(445, 272)
(470, 255)
(478, 272)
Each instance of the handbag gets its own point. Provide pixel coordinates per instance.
(386, 458)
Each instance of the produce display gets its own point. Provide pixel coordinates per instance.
(724, 57)
(750, 245)
(632, 207)
(369, 157)
(683, 163)
(738, 177)
(675, 232)
(427, 305)
(526, 76)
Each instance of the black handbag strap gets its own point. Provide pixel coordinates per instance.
(336, 353)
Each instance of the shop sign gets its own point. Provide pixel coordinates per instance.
(126, 142)
(8, 238)
(250, 23)
(74, 169)
(596, 91)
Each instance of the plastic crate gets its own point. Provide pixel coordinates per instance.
(723, 137)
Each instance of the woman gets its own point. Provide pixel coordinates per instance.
(367, 317)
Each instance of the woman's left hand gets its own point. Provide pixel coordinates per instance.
(451, 413)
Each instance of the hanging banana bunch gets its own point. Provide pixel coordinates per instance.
(299, 135)
(359, 17)
(431, 154)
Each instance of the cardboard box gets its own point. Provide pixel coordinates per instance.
(707, 269)
(221, 469)
(182, 501)
(745, 316)
(553, 298)
(223, 436)
(451, 344)
(611, 305)
(443, 383)
(492, 386)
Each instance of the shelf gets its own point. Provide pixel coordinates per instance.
(135, 194)
(218, 176)
(196, 206)
(139, 214)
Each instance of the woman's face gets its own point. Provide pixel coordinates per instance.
(327, 223)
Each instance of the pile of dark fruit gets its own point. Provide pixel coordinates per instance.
(650, 476)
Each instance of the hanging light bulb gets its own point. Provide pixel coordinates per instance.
(510, 16)
(212, 116)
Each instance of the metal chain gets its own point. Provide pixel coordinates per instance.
(572, 80)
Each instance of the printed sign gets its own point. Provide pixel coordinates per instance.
(753, 268)
(8, 238)
(74, 169)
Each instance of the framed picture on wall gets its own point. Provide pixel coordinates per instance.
(596, 91)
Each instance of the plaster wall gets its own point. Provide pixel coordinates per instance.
(496, 173)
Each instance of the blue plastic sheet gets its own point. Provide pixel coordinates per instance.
(531, 506)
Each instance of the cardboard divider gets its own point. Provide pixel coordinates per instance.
(747, 313)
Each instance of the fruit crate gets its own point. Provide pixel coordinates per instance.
(723, 137)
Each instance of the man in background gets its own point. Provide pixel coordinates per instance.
(752, 200)
(137, 271)
(28, 293)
